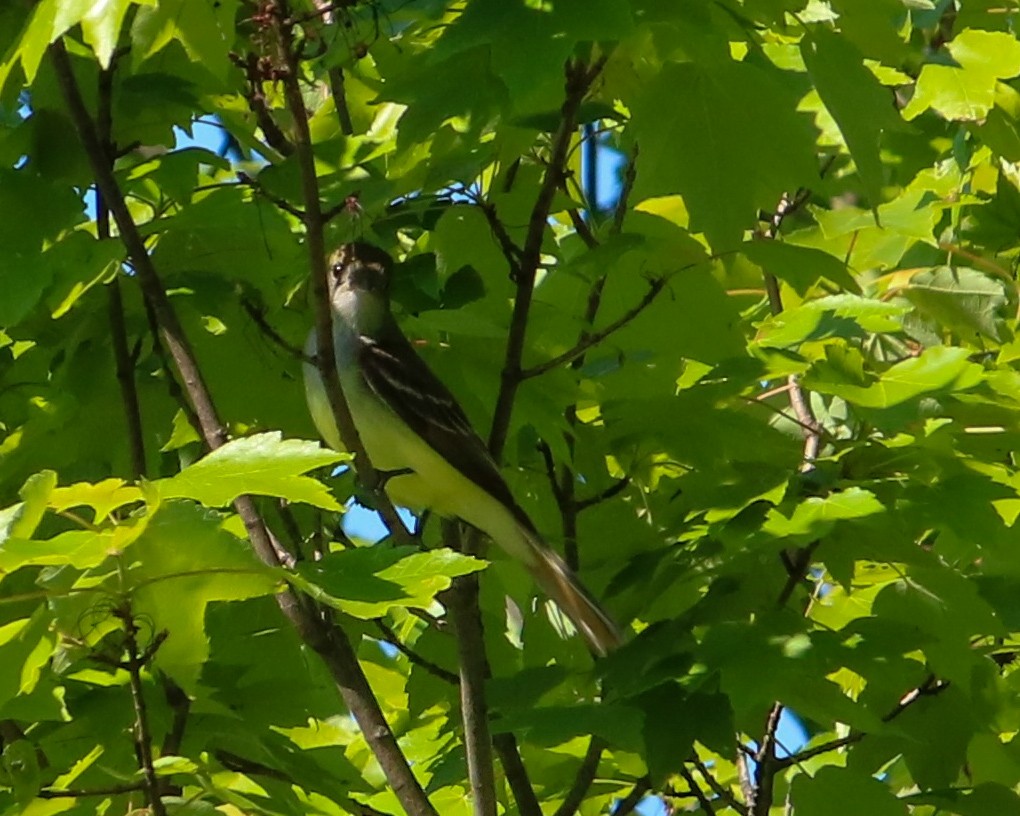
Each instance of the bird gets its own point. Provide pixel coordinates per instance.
(414, 430)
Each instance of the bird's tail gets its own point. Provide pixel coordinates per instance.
(561, 584)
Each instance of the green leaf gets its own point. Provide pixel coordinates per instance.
(101, 26)
(368, 582)
(834, 316)
(183, 433)
(966, 301)
(966, 92)
(19, 769)
(982, 800)
(745, 147)
(668, 732)
(182, 562)
(534, 76)
(801, 267)
(22, 519)
(620, 726)
(26, 646)
(26, 272)
(841, 792)
(814, 516)
(80, 549)
(206, 30)
(262, 464)
(936, 369)
(103, 498)
(862, 108)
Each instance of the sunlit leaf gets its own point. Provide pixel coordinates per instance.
(265, 464)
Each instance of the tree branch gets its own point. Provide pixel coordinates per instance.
(143, 736)
(254, 68)
(767, 766)
(797, 569)
(516, 773)
(331, 644)
(614, 489)
(339, 93)
(124, 364)
(461, 601)
(172, 386)
(579, 77)
(582, 229)
(584, 778)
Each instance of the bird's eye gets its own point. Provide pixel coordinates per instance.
(337, 270)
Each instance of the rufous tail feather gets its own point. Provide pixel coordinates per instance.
(559, 582)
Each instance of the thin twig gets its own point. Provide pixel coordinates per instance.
(510, 250)
(250, 181)
(125, 369)
(747, 788)
(812, 438)
(414, 657)
(266, 328)
(582, 229)
(565, 488)
(797, 569)
(594, 338)
(629, 177)
(627, 804)
(172, 386)
(112, 790)
(697, 792)
(757, 400)
(550, 471)
(929, 688)
(516, 774)
(722, 792)
(614, 489)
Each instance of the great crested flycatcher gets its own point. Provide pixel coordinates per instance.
(409, 421)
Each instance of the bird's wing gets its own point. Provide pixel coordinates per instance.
(395, 373)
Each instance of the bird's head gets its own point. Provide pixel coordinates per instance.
(359, 284)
